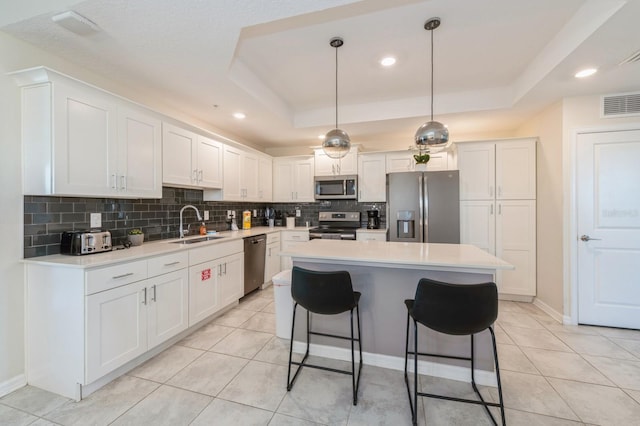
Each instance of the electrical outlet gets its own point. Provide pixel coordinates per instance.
(96, 220)
(229, 214)
(297, 212)
(255, 213)
(206, 215)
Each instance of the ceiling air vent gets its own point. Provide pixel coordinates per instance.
(620, 105)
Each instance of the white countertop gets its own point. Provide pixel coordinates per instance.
(395, 254)
(373, 231)
(147, 249)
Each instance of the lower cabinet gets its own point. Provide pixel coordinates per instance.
(289, 240)
(272, 260)
(127, 321)
(371, 235)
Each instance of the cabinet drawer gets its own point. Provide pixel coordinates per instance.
(295, 235)
(114, 276)
(215, 251)
(273, 237)
(168, 263)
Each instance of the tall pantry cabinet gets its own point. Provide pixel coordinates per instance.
(498, 208)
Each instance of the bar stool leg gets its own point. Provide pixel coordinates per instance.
(353, 364)
(406, 370)
(415, 373)
(495, 356)
(293, 325)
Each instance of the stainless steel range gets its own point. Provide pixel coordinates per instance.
(336, 226)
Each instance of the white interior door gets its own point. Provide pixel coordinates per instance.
(608, 209)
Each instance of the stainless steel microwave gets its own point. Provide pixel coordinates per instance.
(336, 187)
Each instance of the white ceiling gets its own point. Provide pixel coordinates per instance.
(497, 62)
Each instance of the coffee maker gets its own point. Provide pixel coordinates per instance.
(373, 219)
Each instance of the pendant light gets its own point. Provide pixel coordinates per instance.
(336, 142)
(432, 134)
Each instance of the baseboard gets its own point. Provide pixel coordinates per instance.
(452, 372)
(12, 384)
(515, 298)
(549, 310)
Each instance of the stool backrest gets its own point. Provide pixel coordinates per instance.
(459, 309)
(322, 292)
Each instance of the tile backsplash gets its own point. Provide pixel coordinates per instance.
(45, 218)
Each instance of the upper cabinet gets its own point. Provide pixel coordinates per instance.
(372, 178)
(82, 141)
(503, 170)
(403, 161)
(247, 177)
(293, 179)
(327, 166)
(190, 160)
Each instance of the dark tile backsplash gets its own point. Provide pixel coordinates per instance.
(45, 218)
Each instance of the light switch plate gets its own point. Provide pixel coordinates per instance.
(96, 220)
(206, 215)
(297, 212)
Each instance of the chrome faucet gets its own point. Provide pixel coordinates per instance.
(182, 233)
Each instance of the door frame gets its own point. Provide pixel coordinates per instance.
(570, 203)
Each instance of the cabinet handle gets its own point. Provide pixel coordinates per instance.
(491, 210)
(114, 181)
(123, 182)
(117, 277)
(338, 167)
(194, 175)
(172, 263)
(269, 251)
(225, 268)
(499, 208)
(220, 270)
(144, 298)
(499, 190)
(200, 176)
(153, 298)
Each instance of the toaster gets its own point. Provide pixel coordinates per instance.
(85, 242)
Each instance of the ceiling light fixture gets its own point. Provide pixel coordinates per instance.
(239, 115)
(432, 133)
(336, 142)
(586, 72)
(75, 23)
(388, 61)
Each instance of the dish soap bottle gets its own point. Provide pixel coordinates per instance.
(203, 229)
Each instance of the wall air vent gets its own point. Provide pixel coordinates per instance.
(634, 57)
(620, 105)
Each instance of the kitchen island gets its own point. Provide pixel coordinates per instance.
(387, 273)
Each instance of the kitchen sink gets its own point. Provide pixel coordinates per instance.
(198, 240)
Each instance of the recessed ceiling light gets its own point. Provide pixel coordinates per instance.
(321, 137)
(239, 115)
(388, 61)
(585, 72)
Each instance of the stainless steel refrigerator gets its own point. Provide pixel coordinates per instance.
(424, 207)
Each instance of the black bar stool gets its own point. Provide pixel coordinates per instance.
(326, 293)
(457, 309)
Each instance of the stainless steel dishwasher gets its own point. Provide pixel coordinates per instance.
(255, 248)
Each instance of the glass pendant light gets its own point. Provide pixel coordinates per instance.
(432, 134)
(336, 142)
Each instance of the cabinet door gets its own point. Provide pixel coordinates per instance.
(249, 177)
(303, 180)
(85, 126)
(516, 170)
(209, 156)
(438, 161)
(372, 178)
(116, 328)
(265, 179)
(272, 261)
(323, 164)
(168, 306)
(477, 171)
(203, 291)
(283, 180)
(348, 165)
(231, 282)
(399, 162)
(178, 151)
(232, 169)
(139, 172)
(516, 244)
(478, 224)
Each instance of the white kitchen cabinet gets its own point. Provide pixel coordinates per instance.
(497, 208)
(265, 179)
(403, 161)
(272, 256)
(81, 141)
(215, 278)
(290, 239)
(293, 179)
(190, 160)
(503, 170)
(244, 179)
(372, 178)
(327, 166)
(167, 306)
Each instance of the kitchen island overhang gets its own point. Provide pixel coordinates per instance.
(387, 273)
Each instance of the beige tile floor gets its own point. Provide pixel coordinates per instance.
(233, 372)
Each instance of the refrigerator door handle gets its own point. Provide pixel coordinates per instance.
(421, 206)
(425, 209)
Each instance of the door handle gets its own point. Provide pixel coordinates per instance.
(588, 238)
(144, 299)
